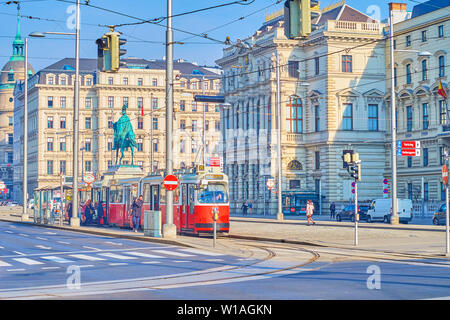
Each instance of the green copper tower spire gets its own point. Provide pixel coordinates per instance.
(18, 43)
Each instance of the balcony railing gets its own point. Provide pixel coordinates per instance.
(358, 27)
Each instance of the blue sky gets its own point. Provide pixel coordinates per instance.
(53, 16)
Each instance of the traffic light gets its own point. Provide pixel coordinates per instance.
(355, 171)
(346, 158)
(298, 15)
(109, 51)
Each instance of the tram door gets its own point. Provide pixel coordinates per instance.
(127, 202)
(184, 207)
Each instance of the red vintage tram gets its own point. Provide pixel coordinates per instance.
(198, 196)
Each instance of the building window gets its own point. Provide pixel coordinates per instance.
(140, 145)
(293, 69)
(317, 159)
(88, 103)
(424, 70)
(206, 125)
(194, 106)
(206, 107)
(373, 117)
(425, 191)
(110, 165)
(87, 123)
(125, 81)
(110, 144)
(140, 103)
(88, 82)
(62, 102)
(155, 123)
(182, 105)
(87, 145)
(155, 146)
(294, 115)
(154, 82)
(395, 76)
(50, 102)
(110, 80)
(125, 101)
(441, 156)
(317, 118)
(408, 41)
(62, 144)
(10, 138)
(194, 125)
(410, 191)
(217, 125)
(294, 184)
(62, 123)
(442, 66)
(110, 123)
(50, 144)
(50, 80)
(442, 112)
(182, 146)
(140, 123)
(408, 73)
(440, 31)
(317, 66)
(88, 166)
(409, 162)
(194, 85)
(347, 119)
(111, 102)
(50, 122)
(10, 121)
(62, 167)
(182, 124)
(426, 121)
(155, 103)
(347, 63)
(140, 82)
(424, 36)
(425, 157)
(409, 118)
(49, 166)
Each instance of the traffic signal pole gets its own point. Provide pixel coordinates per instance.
(356, 215)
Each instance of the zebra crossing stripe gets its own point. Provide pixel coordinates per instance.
(145, 255)
(206, 253)
(86, 257)
(27, 261)
(4, 264)
(116, 256)
(57, 259)
(173, 253)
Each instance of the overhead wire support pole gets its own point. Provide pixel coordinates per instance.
(169, 229)
(25, 138)
(280, 208)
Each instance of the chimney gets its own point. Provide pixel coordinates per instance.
(399, 12)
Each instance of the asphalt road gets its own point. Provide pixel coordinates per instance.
(45, 263)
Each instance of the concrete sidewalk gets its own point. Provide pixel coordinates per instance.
(412, 240)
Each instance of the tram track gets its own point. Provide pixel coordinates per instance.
(255, 270)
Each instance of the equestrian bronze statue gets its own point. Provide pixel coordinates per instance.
(124, 137)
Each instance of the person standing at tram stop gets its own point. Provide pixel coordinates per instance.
(100, 212)
(136, 209)
(332, 210)
(244, 208)
(310, 212)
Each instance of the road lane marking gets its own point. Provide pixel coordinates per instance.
(62, 242)
(23, 235)
(114, 243)
(4, 264)
(43, 247)
(118, 264)
(56, 259)
(40, 238)
(151, 262)
(50, 268)
(116, 256)
(173, 253)
(7, 231)
(19, 253)
(214, 260)
(141, 254)
(92, 248)
(85, 257)
(12, 270)
(50, 232)
(86, 266)
(179, 261)
(2, 247)
(206, 253)
(27, 261)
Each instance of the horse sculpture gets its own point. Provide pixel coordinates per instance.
(124, 137)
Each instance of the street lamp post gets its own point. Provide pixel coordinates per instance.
(25, 138)
(280, 208)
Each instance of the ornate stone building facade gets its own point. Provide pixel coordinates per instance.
(141, 86)
(332, 99)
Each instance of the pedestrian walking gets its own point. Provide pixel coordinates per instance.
(100, 212)
(69, 210)
(310, 212)
(244, 208)
(332, 210)
(136, 209)
(88, 212)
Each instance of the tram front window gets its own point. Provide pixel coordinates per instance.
(213, 193)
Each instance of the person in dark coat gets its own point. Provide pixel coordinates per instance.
(136, 209)
(69, 211)
(88, 212)
(244, 208)
(100, 212)
(332, 210)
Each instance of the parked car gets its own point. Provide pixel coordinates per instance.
(348, 213)
(439, 216)
(381, 209)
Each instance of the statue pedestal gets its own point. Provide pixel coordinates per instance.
(121, 172)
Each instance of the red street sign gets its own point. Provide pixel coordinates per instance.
(170, 182)
(411, 152)
(444, 174)
(410, 144)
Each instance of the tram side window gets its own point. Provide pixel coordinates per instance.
(176, 196)
(162, 195)
(154, 191)
(115, 195)
(146, 193)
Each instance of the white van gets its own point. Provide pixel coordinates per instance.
(381, 210)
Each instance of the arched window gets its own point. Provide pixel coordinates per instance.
(294, 115)
(295, 165)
